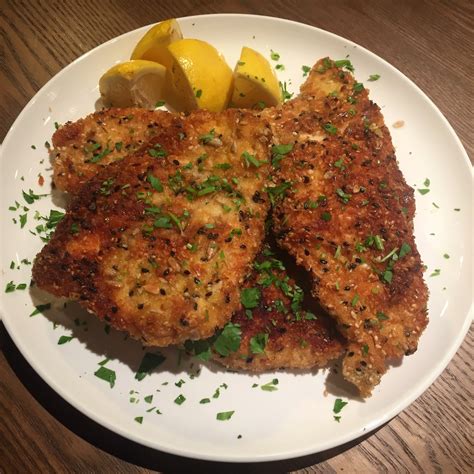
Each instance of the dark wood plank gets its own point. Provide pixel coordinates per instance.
(429, 41)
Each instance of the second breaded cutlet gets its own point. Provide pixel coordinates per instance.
(276, 329)
(157, 244)
(348, 219)
(83, 148)
(294, 340)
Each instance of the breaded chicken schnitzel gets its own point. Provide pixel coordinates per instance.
(82, 148)
(341, 207)
(275, 329)
(157, 244)
(347, 217)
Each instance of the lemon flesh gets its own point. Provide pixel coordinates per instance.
(133, 83)
(255, 82)
(153, 45)
(200, 77)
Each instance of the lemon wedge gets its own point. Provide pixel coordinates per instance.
(200, 77)
(255, 82)
(153, 45)
(138, 82)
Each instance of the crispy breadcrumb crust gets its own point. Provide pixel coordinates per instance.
(348, 219)
(82, 148)
(296, 338)
(157, 244)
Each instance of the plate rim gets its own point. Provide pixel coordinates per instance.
(424, 382)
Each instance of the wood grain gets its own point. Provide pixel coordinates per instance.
(429, 41)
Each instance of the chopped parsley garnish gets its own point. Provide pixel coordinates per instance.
(381, 316)
(389, 255)
(387, 276)
(208, 137)
(355, 300)
(344, 196)
(327, 64)
(23, 219)
(31, 197)
(365, 349)
(160, 103)
(106, 374)
(279, 152)
(228, 340)
(275, 56)
(339, 404)
(199, 93)
(423, 191)
(374, 77)
(277, 192)
(326, 216)
(64, 339)
(225, 415)
(75, 228)
(284, 91)
(436, 272)
(270, 386)
(358, 87)
(96, 157)
(54, 218)
(155, 183)
(258, 343)
(139, 419)
(446, 256)
(331, 129)
(223, 166)
(157, 151)
(404, 250)
(149, 362)
(180, 399)
(200, 349)
(11, 287)
(280, 67)
(344, 63)
(306, 70)
(163, 222)
(204, 400)
(250, 297)
(252, 160)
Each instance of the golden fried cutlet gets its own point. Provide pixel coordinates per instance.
(347, 217)
(157, 244)
(82, 148)
(276, 332)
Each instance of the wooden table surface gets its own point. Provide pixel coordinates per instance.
(429, 41)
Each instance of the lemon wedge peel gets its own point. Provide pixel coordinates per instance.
(133, 83)
(153, 45)
(200, 76)
(255, 82)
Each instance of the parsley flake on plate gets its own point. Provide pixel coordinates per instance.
(225, 415)
(149, 362)
(106, 374)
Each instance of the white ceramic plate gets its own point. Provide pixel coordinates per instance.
(296, 419)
